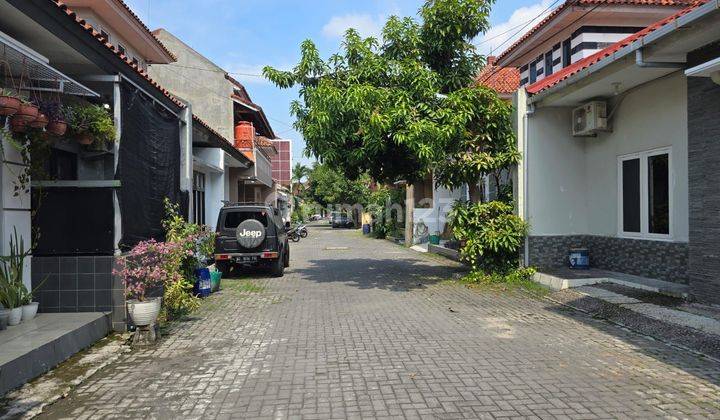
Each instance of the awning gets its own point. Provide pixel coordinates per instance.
(32, 71)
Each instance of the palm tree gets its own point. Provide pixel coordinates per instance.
(299, 172)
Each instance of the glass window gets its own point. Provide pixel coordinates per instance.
(659, 194)
(533, 72)
(234, 218)
(566, 53)
(548, 64)
(644, 194)
(631, 195)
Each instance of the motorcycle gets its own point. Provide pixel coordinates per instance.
(302, 231)
(293, 234)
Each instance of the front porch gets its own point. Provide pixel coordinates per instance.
(34, 347)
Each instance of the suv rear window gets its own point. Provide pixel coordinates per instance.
(234, 218)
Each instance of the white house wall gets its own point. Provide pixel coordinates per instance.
(556, 184)
(652, 117)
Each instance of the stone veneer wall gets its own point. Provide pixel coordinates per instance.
(654, 259)
(79, 284)
(704, 179)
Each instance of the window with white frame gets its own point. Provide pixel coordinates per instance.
(644, 194)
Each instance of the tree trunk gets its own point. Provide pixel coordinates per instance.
(409, 210)
(476, 193)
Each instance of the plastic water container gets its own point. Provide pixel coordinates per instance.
(579, 259)
(215, 277)
(203, 283)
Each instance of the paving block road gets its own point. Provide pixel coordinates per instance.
(362, 328)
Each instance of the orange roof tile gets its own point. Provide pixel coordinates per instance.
(503, 80)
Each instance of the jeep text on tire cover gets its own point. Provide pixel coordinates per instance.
(250, 233)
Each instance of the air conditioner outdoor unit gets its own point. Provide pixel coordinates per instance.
(590, 118)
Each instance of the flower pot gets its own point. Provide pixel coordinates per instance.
(144, 313)
(57, 128)
(4, 317)
(29, 311)
(27, 112)
(84, 138)
(18, 125)
(40, 122)
(15, 316)
(9, 105)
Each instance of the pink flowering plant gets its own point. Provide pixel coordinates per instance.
(148, 265)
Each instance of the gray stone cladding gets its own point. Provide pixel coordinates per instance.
(654, 259)
(704, 192)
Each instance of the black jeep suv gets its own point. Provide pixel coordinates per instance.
(251, 235)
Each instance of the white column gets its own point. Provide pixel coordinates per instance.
(15, 209)
(117, 116)
(186, 156)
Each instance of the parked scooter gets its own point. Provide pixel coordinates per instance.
(302, 230)
(294, 234)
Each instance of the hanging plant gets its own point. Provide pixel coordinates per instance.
(9, 102)
(92, 124)
(18, 125)
(57, 120)
(40, 122)
(27, 112)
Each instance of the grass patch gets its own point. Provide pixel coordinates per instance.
(241, 286)
(516, 280)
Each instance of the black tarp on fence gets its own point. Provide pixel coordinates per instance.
(149, 167)
(73, 221)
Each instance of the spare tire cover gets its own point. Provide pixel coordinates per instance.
(250, 233)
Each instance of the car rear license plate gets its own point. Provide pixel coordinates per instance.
(246, 259)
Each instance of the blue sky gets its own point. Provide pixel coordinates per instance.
(242, 36)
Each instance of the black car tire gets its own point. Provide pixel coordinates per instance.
(278, 267)
(224, 268)
(286, 259)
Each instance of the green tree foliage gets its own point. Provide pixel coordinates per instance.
(328, 187)
(400, 106)
(493, 235)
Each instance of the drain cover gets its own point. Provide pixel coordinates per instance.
(336, 248)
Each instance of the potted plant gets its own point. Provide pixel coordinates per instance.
(13, 292)
(9, 102)
(29, 307)
(92, 124)
(18, 125)
(142, 270)
(59, 116)
(40, 122)
(27, 111)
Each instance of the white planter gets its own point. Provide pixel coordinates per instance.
(29, 311)
(15, 316)
(144, 313)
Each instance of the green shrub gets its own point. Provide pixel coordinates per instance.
(492, 234)
(178, 300)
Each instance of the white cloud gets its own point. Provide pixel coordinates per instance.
(366, 24)
(503, 35)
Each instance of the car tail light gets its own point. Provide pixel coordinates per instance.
(222, 257)
(269, 255)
